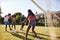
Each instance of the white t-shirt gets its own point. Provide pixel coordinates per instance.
(6, 18)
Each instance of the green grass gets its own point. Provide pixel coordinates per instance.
(41, 31)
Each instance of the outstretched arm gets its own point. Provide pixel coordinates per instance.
(25, 20)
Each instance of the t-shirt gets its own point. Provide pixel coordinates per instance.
(6, 18)
(31, 17)
(22, 18)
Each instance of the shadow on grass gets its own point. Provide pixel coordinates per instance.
(58, 37)
(41, 34)
(17, 35)
(34, 36)
(45, 35)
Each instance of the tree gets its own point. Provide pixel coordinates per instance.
(18, 16)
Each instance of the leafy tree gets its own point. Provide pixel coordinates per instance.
(18, 16)
(1, 19)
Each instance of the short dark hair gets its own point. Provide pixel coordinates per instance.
(9, 14)
(13, 15)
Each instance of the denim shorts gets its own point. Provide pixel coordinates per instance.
(14, 23)
(32, 22)
(6, 22)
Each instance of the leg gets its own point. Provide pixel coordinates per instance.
(34, 31)
(10, 27)
(14, 27)
(27, 31)
(6, 28)
(22, 26)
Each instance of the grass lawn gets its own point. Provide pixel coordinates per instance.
(40, 30)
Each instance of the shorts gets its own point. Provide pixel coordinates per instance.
(6, 22)
(14, 23)
(32, 22)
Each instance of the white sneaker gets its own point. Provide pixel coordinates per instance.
(15, 31)
(36, 39)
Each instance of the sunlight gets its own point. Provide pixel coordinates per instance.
(52, 33)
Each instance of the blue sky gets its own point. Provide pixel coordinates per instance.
(12, 6)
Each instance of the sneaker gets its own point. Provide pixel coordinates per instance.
(14, 31)
(36, 39)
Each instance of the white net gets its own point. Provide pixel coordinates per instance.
(48, 17)
(47, 6)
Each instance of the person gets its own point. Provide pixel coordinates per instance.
(9, 15)
(13, 23)
(6, 22)
(22, 24)
(32, 22)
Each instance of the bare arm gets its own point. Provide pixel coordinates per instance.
(25, 20)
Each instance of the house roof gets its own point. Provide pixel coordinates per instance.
(58, 14)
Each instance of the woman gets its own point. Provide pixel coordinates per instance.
(32, 22)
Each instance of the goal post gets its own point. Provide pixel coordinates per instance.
(47, 14)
